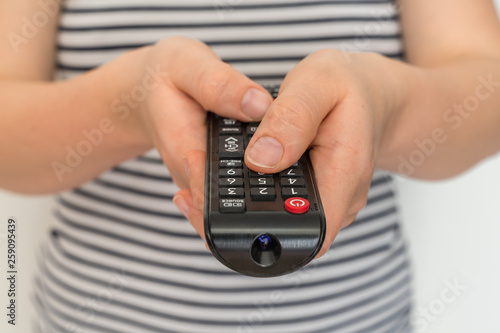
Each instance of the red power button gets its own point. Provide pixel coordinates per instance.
(297, 205)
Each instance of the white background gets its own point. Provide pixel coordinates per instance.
(452, 229)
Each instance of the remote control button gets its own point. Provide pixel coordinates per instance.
(273, 90)
(291, 172)
(231, 192)
(229, 130)
(227, 122)
(292, 182)
(233, 172)
(252, 128)
(230, 163)
(262, 194)
(231, 146)
(231, 182)
(232, 206)
(297, 205)
(288, 192)
(262, 181)
(258, 174)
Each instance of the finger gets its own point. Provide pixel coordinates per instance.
(348, 200)
(183, 200)
(179, 127)
(292, 121)
(195, 163)
(217, 86)
(343, 165)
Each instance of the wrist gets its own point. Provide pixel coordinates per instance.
(122, 95)
(394, 82)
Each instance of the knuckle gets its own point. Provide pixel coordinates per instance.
(175, 40)
(214, 82)
(328, 56)
(176, 48)
(173, 46)
(286, 119)
(328, 63)
(366, 172)
(350, 218)
(297, 115)
(358, 206)
(363, 173)
(180, 43)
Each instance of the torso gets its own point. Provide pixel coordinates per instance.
(121, 258)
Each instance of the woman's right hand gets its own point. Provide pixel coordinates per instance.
(58, 135)
(193, 79)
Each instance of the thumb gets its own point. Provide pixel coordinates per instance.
(288, 128)
(196, 70)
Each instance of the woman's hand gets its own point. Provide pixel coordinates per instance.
(68, 132)
(194, 79)
(336, 104)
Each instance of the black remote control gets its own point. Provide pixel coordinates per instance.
(260, 225)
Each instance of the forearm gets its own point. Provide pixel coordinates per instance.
(54, 136)
(447, 120)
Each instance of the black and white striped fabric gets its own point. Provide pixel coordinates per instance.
(121, 258)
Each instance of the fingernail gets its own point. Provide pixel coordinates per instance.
(255, 103)
(182, 205)
(266, 152)
(186, 167)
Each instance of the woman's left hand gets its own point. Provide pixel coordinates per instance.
(337, 104)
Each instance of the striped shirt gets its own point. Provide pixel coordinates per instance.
(121, 257)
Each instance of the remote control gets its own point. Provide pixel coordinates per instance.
(257, 224)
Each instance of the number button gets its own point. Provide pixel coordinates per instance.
(291, 172)
(262, 194)
(231, 192)
(231, 172)
(257, 174)
(262, 181)
(231, 182)
(288, 192)
(292, 182)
